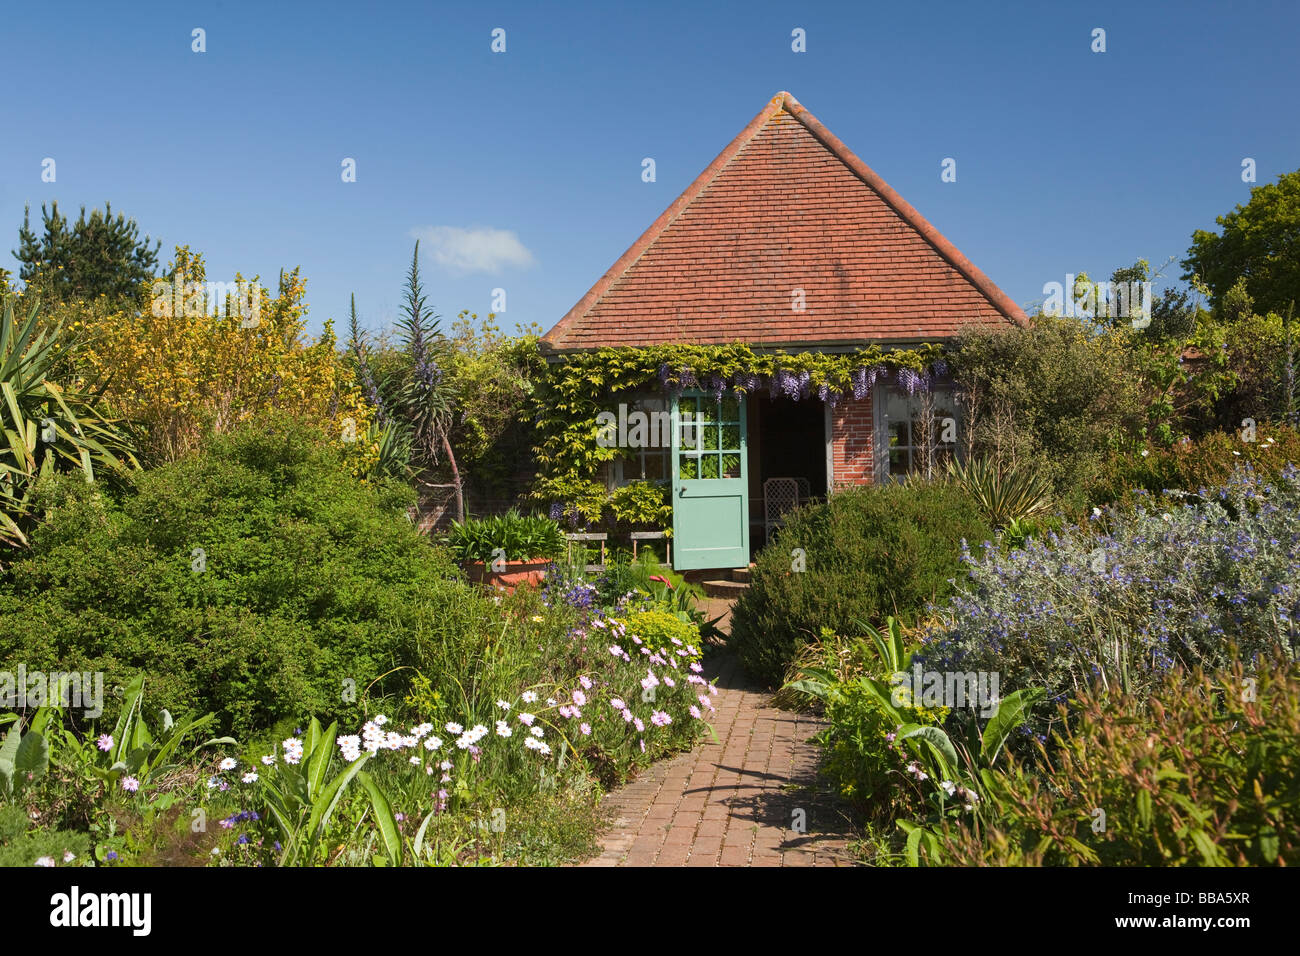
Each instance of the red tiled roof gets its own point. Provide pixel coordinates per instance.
(785, 206)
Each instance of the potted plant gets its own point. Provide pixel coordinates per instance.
(506, 550)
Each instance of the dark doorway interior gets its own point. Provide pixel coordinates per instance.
(787, 440)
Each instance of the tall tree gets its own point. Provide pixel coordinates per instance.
(99, 254)
(1260, 242)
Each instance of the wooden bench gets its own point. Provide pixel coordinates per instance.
(638, 536)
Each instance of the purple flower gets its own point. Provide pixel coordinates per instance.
(789, 384)
(909, 380)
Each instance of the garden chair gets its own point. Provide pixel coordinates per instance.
(779, 496)
(638, 536)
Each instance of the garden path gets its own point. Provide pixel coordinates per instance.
(733, 802)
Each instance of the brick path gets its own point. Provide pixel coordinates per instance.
(734, 802)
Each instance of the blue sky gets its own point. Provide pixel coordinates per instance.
(523, 168)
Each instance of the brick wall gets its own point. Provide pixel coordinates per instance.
(852, 443)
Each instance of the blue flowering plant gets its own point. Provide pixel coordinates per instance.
(1124, 601)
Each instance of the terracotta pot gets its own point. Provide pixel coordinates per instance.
(530, 573)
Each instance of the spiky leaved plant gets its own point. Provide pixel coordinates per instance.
(424, 398)
(46, 427)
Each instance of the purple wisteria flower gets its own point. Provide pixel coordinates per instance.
(787, 383)
(909, 380)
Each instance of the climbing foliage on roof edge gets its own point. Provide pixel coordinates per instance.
(575, 389)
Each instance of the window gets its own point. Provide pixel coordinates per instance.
(920, 431)
(643, 445)
(708, 437)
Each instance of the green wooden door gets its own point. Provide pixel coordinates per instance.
(710, 482)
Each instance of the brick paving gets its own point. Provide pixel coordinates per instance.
(733, 802)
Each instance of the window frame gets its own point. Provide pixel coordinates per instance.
(944, 393)
(615, 472)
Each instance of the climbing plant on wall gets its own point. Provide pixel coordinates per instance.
(577, 387)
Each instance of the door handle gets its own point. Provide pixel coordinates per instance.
(683, 489)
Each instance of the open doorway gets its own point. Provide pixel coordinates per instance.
(787, 439)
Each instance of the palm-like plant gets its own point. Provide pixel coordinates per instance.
(1008, 493)
(46, 427)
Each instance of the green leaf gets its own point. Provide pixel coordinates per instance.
(312, 737)
(9, 754)
(813, 688)
(323, 806)
(1011, 713)
(318, 761)
(1211, 855)
(418, 846)
(33, 755)
(1144, 808)
(914, 847)
(1267, 840)
(130, 702)
(383, 811)
(938, 740)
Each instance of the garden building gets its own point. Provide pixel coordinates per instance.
(780, 329)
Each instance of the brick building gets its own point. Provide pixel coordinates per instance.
(786, 242)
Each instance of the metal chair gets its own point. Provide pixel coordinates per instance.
(779, 496)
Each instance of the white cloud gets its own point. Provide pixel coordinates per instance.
(472, 250)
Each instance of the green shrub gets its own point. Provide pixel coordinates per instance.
(867, 552)
(257, 580)
(1053, 393)
(661, 632)
(1203, 773)
(642, 504)
(1205, 462)
(22, 844)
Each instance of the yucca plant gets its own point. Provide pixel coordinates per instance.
(1006, 493)
(46, 427)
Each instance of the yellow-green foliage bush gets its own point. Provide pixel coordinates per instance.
(659, 632)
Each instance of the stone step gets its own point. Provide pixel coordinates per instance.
(740, 575)
(725, 589)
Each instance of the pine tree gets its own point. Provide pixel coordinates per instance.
(98, 255)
